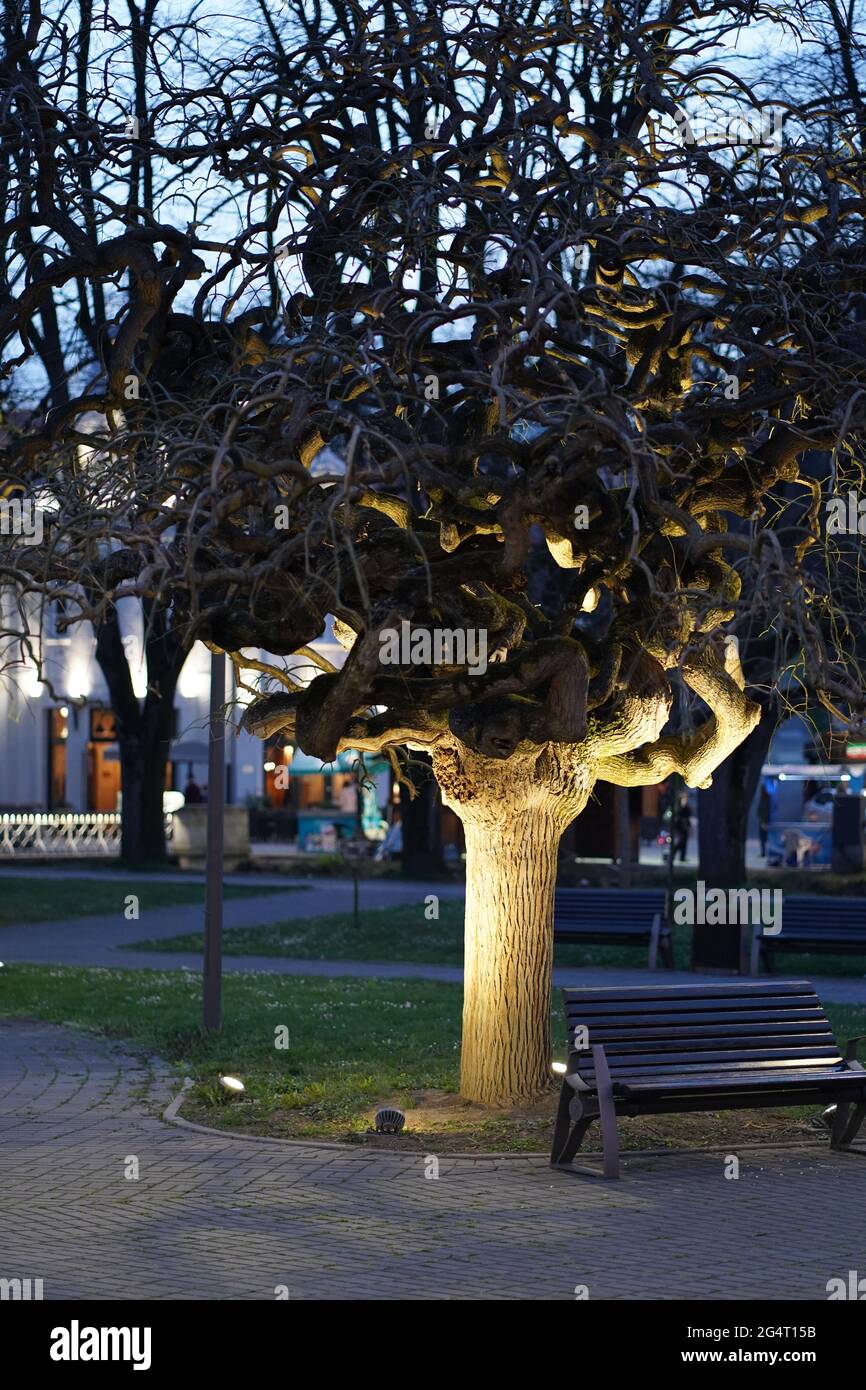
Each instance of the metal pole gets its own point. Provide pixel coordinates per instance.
(669, 897)
(623, 835)
(359, 836)
(216, 789)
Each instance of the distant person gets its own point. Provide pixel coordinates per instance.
(798, 849)
(392, 844)
(192, 793)
(765, 812)
(682, 824)
(329, 839)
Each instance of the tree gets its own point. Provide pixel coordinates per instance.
(85, 191)
(420, 820)
(825, 75)
(500, 294)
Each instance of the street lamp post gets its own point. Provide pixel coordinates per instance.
(213, 911)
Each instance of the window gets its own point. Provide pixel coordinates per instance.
(58, 734)
(102, 726)
(55, 611)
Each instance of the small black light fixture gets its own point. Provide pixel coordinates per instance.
(389, 1120)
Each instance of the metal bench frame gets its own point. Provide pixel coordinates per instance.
(762, 1044)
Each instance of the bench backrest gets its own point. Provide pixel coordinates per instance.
(762, 1025)
(589, 906)
(820, 914)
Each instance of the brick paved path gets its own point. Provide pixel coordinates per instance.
(216, 1217)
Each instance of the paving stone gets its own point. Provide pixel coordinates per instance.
(221, 1218)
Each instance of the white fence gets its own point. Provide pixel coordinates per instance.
(62, 834)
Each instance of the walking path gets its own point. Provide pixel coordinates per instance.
(214, 1217)
(98, 940)
(105, 940)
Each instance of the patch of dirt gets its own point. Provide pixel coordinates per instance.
(438, 1120)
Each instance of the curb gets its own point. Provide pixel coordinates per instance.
(171, 1116)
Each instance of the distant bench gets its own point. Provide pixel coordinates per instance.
(669, 1049)
(832, 926)
(613, 917)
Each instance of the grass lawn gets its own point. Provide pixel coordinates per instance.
(54, 899)
(403, 934)
(385, 934)
(353, 1045)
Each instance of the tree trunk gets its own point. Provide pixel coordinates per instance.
(514, 812)
(142, 780)
(723, 812)
(723, 809)
(510, 880)
(420, 817)
(144, 728)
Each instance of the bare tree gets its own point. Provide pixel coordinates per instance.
(824, 74)
(84, 188)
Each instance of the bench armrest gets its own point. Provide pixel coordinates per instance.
(851, 1047)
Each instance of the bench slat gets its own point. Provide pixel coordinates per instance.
(719, 1057)
(687, 1025)
(780, 1026)
(663, 1011)
(699, 1047)
(736, 1066)
(727, 1082)
(740, 989)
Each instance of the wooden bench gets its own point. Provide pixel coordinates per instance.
(668, 1049)
(613, 917)
(833, 926)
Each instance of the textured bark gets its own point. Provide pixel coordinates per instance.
(513, 814)
(510, 878)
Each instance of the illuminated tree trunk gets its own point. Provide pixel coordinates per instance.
(513, 814)
(510, 878)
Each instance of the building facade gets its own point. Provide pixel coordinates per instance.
(58, 749)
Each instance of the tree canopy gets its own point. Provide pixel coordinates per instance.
(469, 282)
(518, 320)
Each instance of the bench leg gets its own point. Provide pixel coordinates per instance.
(652, 959)
(607, 1113)
(839, 1125)
(667, 949)
(561, 1128)
(845, 1130)
(568, 1135)
(755, 950)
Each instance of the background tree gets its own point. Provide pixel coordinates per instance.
(420, 820)
(84, 187)
(824, 75)
(474, 285)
